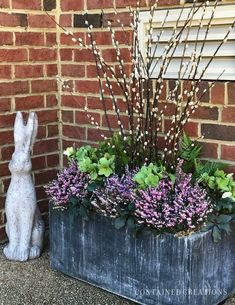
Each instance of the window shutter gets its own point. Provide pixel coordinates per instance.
(224, 60)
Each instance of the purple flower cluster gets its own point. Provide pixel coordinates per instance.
(115, 195)
(173, 207)
(70, 182)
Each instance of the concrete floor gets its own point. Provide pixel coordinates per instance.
(34, 283)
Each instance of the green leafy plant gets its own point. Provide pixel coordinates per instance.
(149, 176)
(115, 146)
(220, 182)
(126, 217)
(218, 224)
(93, 161)
(189, 151)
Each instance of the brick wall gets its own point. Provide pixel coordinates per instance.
(28, 65)
(32, 53)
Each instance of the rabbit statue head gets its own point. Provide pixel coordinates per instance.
(24, 137)
(24, 227)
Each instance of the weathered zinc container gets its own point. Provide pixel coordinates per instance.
(149, 270)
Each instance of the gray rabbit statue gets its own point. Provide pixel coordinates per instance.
(24, 227)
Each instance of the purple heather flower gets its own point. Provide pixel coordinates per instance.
(70, 182)
(180, 207)
(115, 195)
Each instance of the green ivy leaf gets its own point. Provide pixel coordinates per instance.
(226, 227)
(92, 186)
(120, 222)
(216, 234)
(224, 219)
(131, 223)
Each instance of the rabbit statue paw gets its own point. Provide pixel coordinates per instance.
(25, 227)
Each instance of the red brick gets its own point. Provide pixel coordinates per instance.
(114, 121)
(12, 55)
(73, 5)
(95, 103)
(28, 38)
(110, 55)
(84, 118)
(51, 70)
(42, 54)
(41, 132)
(43, 207)
(51, 39)
(5, 104)
(29, 102)
(73, 70)
(67, 116)
(44, 85)
(45, 177)
(13, 88)
(127, 3)
(169, 110)
(7, 120)
(231, 93)
(116, 89)
(203, 96)
(73, 101)
(99, 4)
(218, 93)
(39, 162)
(87, 86)
(41, 21)
(5, 72)
(91, 71)
(52, 130)
(45, 146)
(53, 160)
(47, 116)
(104, 38)
(228, 152)
(28, 71)
(83, 55)
(206, 113)
(3, 235)
(209, 150)
(218, 132)
(66, 54)
(4, 170)
(66, 20)
(168, 2)
(26, 4)
(191, 128)
(74, 132)
(2, 202)
(67, 39)
(51, 101)
(40, 192)
(68, 86)
(13, 20)
(228, 114)
(95, 134)
(6, 38)
(125, 19)
(7, 152)
(6, 137)
(4, 3)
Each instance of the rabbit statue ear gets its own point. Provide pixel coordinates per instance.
(32, 129)
(19, 136)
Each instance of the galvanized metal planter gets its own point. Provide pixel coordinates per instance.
(149, 270)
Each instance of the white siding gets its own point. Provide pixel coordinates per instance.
(224, 60)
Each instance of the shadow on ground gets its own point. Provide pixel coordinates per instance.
(34, 283)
